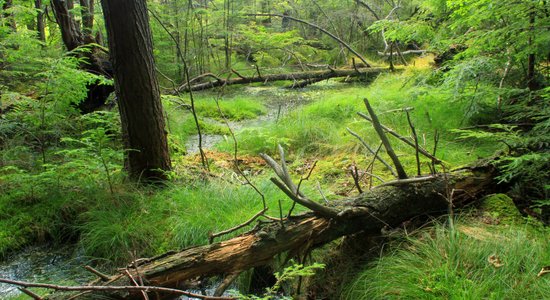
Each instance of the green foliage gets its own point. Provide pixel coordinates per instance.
(182, 216)
(288, 274)
(472, 261)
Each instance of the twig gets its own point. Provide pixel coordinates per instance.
(376, 123)
(316, 207)
(111, 289)
(102, 276)
(204, 160)
(406, 181)
(321, 192)
(235, 155)
(258, 70)
(226, 283)
(334, 37)
(375, 153)
(436, 141)
(307, 177)
(145, 297)
(415, 137)
(238, 74)
(375, 176)
(230, 230)
(355, 175)
(401, 138)
(30, 293)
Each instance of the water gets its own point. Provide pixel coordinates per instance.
(278, 102)
(43, 264)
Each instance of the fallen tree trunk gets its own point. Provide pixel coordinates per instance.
(384, 207)
(308, 75)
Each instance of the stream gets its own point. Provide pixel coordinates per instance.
(64, 265)
(44, 264)
(278, 102)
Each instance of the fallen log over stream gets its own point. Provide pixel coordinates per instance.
(379, 208)
(313, 76)
(384, 207)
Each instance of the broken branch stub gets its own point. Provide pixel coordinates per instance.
(285, 183)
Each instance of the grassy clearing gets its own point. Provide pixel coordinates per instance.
(319, 128)
(470, 261)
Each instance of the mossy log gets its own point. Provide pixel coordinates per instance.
(382, 207)
(313, 76)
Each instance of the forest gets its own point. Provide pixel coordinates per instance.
(274, 149)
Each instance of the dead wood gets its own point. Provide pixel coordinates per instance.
(295, 76)
(370, 212)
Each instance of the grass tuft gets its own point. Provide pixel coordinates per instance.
(485, 262)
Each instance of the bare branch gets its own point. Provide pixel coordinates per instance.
(334, 37)
(228, 231)
(378, 127)
(401, 138)
(290, 189)
(376, 156)
(102, 276)
(111, 289)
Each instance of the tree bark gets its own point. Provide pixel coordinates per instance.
(70, 29)
(382, 207)
(136, 85)
(88, 8)
(308, 75)
(40, 25)
(73, 37)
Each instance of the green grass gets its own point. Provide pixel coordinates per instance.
(442, 263)
(319, 128)
(152, 222)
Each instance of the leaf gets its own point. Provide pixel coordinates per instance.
(495, 261)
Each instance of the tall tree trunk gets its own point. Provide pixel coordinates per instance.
(40, 25)
(531, 59)
(88, 9)
(137, 89)
(70, 29)
(73, 38)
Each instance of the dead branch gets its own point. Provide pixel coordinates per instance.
(294, 76)
(403, 139)
(404, 52)
(376, 156)
(415, 137)
(290, 189)
(378, 127)
(334, 37)
(101, 288)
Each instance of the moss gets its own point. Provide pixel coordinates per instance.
(500, 209)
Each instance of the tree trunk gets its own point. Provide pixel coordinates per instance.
(314, 76)
(40, 25)
(88, 9)
(73, 38)
(382, 207)
(137, 89)
(70, 29)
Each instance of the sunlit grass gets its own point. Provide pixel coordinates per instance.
(150, 223)
(461, 263)
(319, 128)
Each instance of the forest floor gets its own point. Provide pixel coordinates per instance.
(491, 251)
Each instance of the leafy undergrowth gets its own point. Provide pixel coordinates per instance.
(472, 260)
